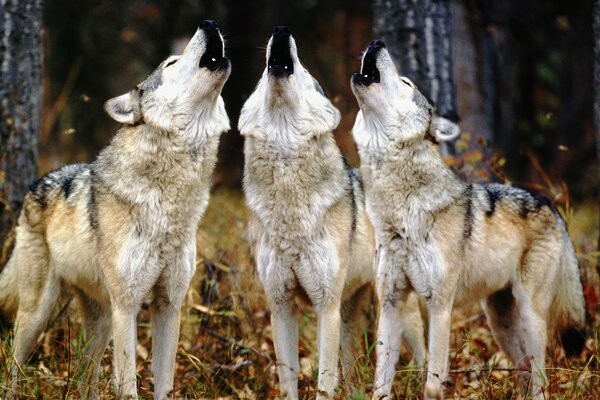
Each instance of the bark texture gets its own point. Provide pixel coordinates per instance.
(597, 73)
(418, 35)
(597, 87)
(20, 103)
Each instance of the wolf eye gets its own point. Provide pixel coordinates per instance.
(171, 63)
(406, 81)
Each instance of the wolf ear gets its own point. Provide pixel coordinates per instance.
(125, 108)
(443, 130)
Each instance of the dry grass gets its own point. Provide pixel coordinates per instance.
(226, 350)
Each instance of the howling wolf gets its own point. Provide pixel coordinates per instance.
(452, 242)
(309, 231)
(123, 228)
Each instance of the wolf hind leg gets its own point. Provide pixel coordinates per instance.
(533, 332)
(32, 319)
(97, 320)
(355, 315)
(39, 289)
(503, 316)
(521, 333)
(413, 330)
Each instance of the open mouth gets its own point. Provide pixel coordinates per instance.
(369, 72)
(280, 62)
(213, 58)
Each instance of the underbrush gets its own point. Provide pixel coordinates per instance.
(226, 349)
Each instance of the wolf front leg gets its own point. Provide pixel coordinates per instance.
(398, 319)
(439, 342)
(284, 323)
(165, 336)
(124, 339)
(328, 331)
(393, 297)
(389, 329)
(169, 293)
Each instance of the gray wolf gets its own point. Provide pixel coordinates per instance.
(123, 228)
(453, 242)
(310, 235)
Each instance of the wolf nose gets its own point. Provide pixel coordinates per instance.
(376, 44)
(209, 25)
(281, 30)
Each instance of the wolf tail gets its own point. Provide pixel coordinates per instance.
(568, 307)
(9, 295)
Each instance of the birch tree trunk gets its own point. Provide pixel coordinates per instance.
(418, 35)
(20, 103)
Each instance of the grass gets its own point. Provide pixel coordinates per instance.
(226, 349)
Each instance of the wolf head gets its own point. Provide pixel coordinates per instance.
(391, 106)
(184, 91)
(287, 102)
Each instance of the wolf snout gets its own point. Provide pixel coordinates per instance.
(213, 57)
(376, 44)
(280, 63)
(281, 30)
(369, 73)
(209, 25)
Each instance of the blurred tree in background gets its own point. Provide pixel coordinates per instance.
(20, 103)
(418, 36)
(522, 70)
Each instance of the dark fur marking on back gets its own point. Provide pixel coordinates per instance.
(541, 201)
(67, 185)
(92, 205)
(61, 178)
(40, 189)
(532, 203)
(493, 197)
(468, 227)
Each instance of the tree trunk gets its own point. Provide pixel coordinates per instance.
(499, 77)
(20, 103)
(418, 35)
(597, 90)
(470, 99)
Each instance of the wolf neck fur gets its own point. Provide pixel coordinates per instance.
(166, 165)
(415, 166)
(282, 185)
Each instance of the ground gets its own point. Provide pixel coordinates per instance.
(226, 348)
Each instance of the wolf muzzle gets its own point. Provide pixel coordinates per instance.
(280, 64)
(213, 58)
(369, 73)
